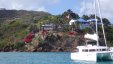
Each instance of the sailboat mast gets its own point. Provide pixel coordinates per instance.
(96, 21)
(98, 2)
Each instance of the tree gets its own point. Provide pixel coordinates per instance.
(71, 14)
(33, 28)
(93, 16)
(74, 15)
(69, 11)
(106, 21)
(85, 17)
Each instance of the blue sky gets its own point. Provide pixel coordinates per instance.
(63, 5)
(59, 6)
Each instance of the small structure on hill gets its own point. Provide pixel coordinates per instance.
(72, 21)
(48, 27)
(81, 23)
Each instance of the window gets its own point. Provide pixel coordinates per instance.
(104, 50)
(98, 49)
(85, 50)
(92, 50)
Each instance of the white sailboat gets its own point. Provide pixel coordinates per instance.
(90, 52)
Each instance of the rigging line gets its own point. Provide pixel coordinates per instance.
(96, 21)
(102, 23)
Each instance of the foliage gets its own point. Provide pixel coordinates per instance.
(3, 43)
(109, 33)
(33, 28)
(71, 13)
(86, 17)
(106, 22)
(19, 46)
(87, 30)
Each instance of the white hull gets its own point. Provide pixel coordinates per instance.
(83, 56)
(92, 56)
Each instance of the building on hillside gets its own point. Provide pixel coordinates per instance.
(49, 26)
(82, 23)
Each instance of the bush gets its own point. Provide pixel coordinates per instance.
(3, 43)
(19, 46)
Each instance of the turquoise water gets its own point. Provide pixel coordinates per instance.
(40, 58)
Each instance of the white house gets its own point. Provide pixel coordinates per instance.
(72, 21)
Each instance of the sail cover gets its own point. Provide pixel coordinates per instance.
(91, 36)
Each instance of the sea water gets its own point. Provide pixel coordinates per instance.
(41, 58)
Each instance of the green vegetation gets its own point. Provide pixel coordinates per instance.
(16, 25)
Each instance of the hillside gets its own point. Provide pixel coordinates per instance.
(9, 15)
(14, 24)
(22, 30)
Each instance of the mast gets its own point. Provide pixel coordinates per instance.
(96, 21)
(98, 3)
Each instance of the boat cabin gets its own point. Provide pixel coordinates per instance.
(91, 49)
